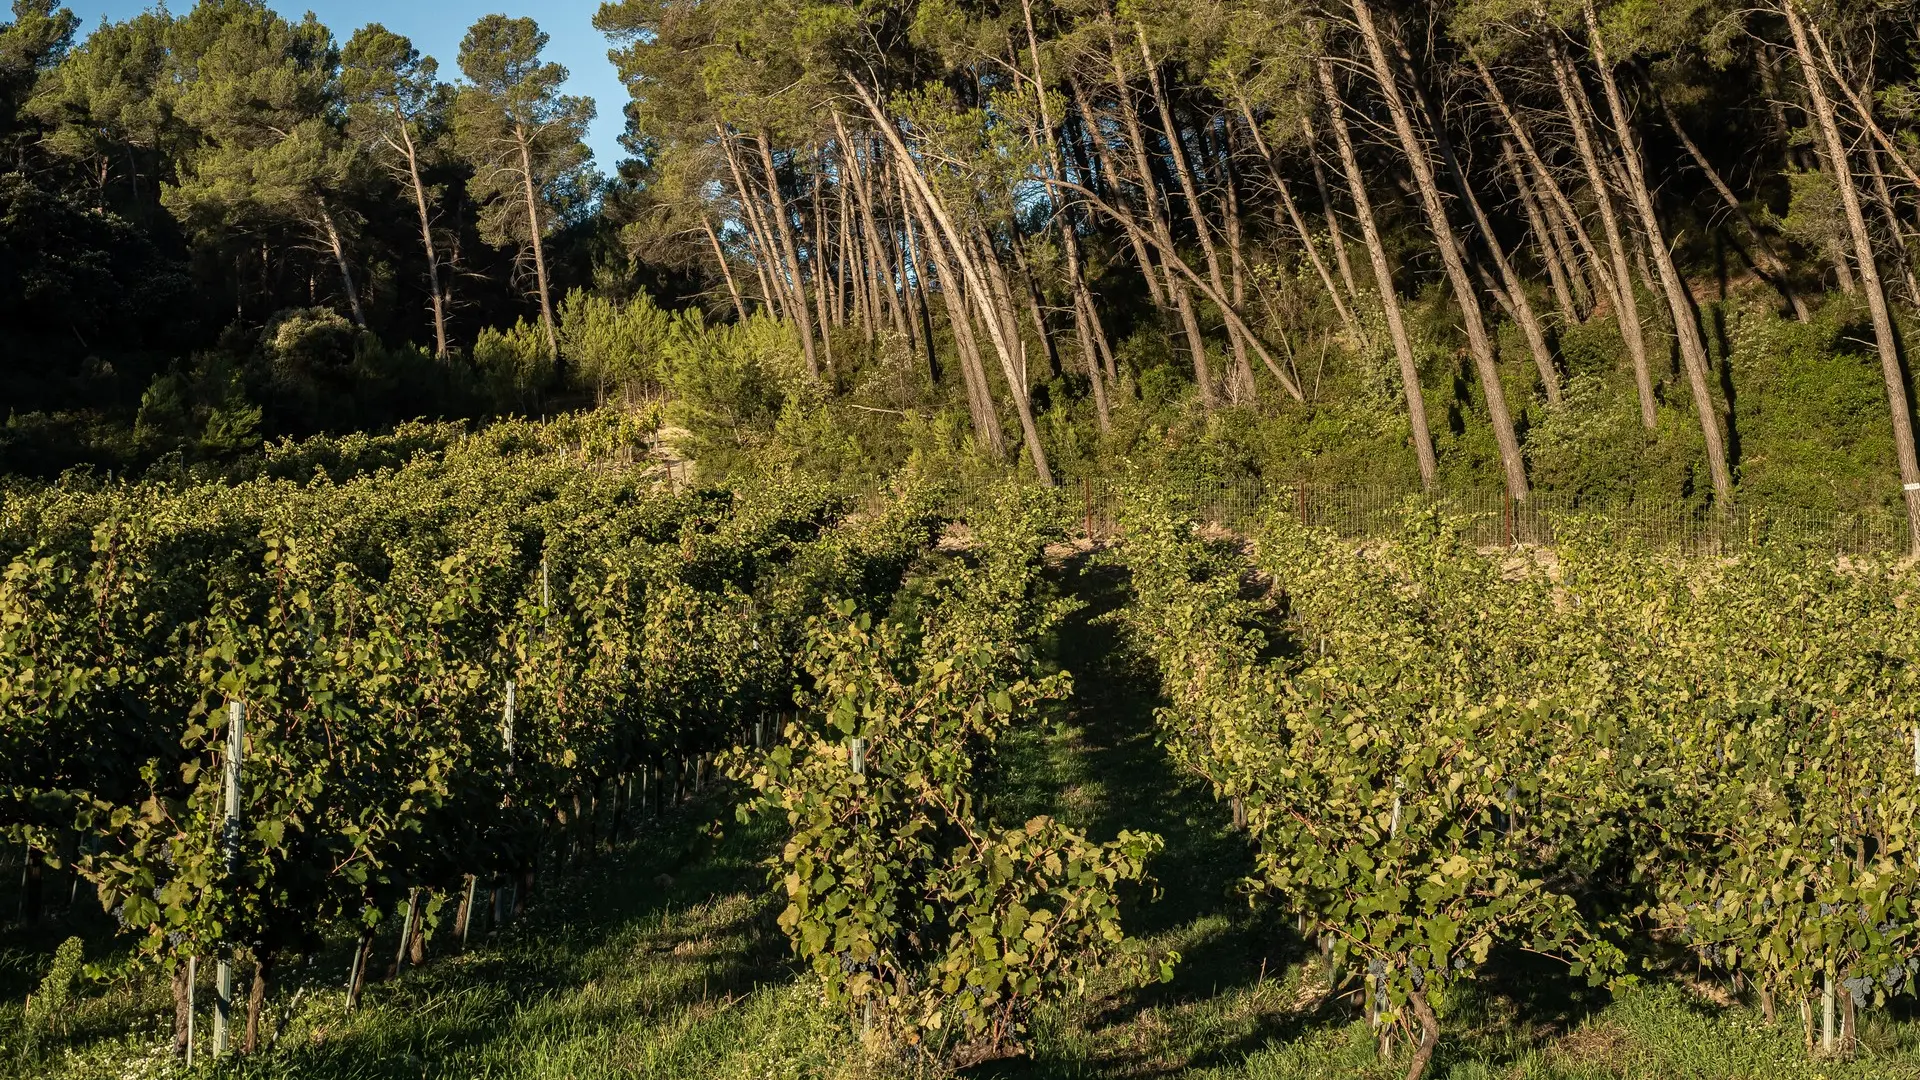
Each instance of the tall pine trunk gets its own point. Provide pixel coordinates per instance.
(726, 270)
(1011, 362)
(339, 250)
(426, 237)
(1286, 204)
(1883, 330)
(1174, 288)
(1479, 343)
(537, 241)
(1240, 383)
(1515, 299)
(1383, 278)
(1686, 325)
(1543, 239)
(782, 226)
(1766, 259)
(1625, 305)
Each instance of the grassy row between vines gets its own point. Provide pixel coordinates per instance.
(663, 960)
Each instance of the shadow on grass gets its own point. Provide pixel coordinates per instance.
(655, 930)
(1102, 770)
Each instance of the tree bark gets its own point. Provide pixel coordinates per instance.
(1479, 344)
(1335, 235)
(1890, 214)
(1693, 348)
(1113, 174)
(1625, 305)
(913, 286)
(976, 283)
(1863, 111)
(881, 257)
(1000, 294)
(1286, 204)
(816, 261)
(774, 292)
(1240, 384)
(986, 422)
(783, 226)
(1767, 261)
(1883, 329)
(1086, 317)
(537, 241)
(726, 271)
(1429, 1035)
(1553, 198)
(1036, 309)
(257, 1000)
(426, 235)
(1543, 241)
(1175, 290)
(1199, 284)
(1516, 302)
(339, 250)
(1383, 278)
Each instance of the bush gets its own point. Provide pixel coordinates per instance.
(515, 366)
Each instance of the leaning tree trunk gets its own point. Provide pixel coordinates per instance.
(1086, 318)
(426, 239)
(816, 261)
(1162, 233)
(1625, 305)
(339, 249)
(1240, 384)
(726, 271)
(1883, 329)
(936, 211)
(953, 292)
(1299, 223)
(1383, 278)
(537, 242)
(1479, 343)
(1543, 241)
(783, 230)
(1335, 235)
(1693, 347)
(1517, 303)
(1113, 176)
(1553, 198)
(773, 286)
(879, 262)
(1890, 214)
(997, 303)
(1766, 260)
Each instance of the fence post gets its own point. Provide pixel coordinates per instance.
(1086, 492)
(1508, 516)
(506, 727)
(223, 979)
(1300, 496)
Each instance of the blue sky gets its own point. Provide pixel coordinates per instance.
(436, 27)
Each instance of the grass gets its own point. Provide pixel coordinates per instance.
(663, 960)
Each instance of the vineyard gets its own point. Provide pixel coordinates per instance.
(386, 700)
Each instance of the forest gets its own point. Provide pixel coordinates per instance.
(1621, 251)
(1099, 538)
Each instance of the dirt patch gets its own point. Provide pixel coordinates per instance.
(1596, 1045)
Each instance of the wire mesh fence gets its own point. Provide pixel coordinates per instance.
(1488, 518)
